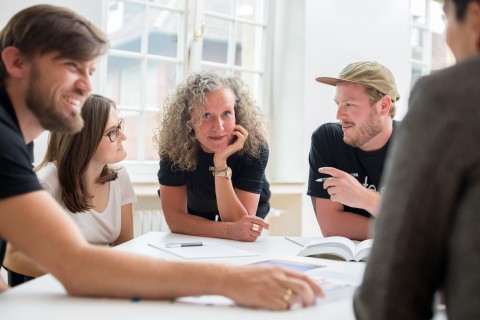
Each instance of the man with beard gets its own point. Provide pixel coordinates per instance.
(47, 55)
(347, 158)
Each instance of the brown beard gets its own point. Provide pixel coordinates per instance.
(371, 128)
(45, 109)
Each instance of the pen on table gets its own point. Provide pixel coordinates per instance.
(183, 244)
(325, 179)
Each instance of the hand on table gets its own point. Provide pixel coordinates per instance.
(270, 287)
(248, 228)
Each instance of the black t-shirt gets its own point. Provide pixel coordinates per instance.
(248, 174)
(16, 175)
(329, 150)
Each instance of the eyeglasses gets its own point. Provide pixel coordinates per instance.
(112, 134)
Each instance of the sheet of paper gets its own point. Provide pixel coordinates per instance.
(208, 250)
(302, 241)
(292, 265)
(213, 301)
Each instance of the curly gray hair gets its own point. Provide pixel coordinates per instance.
(175, 136)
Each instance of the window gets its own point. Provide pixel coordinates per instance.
(154, 44)
(233, 35)
(428, 48)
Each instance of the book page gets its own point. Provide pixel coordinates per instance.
(363, 250)
(339, 246)
(302, 241)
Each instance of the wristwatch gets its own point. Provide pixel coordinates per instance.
(226, 173)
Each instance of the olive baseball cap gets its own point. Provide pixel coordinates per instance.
(368, 73)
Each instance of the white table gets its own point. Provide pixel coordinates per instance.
(45, 298)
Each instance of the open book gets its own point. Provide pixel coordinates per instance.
(339, 248)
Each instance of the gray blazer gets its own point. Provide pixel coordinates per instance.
(427, 235)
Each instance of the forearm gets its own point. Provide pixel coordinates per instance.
(126, 231)
(229, 206)
(117, 274)
(345, 224)
(18, 262)
(3, 285)
(185, 223)
(370, 202)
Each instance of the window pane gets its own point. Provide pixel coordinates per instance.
(418, 9)
(169, 3)
(221, 71)
(252, 80)
(417, 72)
(161, 77)
(219, 6)
(417, 41)
(150, 126)
(124, 25)
(163, 32)
(251, 10)
(249, 46)
(131, 131)
(124, 81)
(437, 17)
(215, 41)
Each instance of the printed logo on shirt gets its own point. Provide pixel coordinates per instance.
(371, 186)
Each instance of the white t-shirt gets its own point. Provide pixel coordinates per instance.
(101, 228)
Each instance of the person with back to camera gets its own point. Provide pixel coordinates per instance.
(77, 172)
(213, 154)
(427, 233)
(48, 55)
(347, 158)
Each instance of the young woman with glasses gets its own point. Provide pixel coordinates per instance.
(77, 172)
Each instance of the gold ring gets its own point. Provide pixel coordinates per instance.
(287, 295)
(255, 227)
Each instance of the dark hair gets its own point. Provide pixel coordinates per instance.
(42, 29)
(461, 7)
(73, 152)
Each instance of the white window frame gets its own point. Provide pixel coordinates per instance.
(196, 58)
(144, 171)
(425, 63)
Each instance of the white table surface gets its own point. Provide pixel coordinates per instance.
(45, 298)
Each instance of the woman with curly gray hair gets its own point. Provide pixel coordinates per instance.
(213, 153)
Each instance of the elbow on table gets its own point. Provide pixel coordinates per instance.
(328, 231)
(75, 286)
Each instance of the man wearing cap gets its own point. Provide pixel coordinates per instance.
(347, 158)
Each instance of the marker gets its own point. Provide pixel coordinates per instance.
(183, 244)
(325, 179)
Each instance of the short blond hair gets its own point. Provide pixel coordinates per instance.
(375, 96)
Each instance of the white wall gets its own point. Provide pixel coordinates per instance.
(287, 90)
(321, 41)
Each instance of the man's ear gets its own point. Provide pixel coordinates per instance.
(473, 12)
(14, 62)
(386, 104)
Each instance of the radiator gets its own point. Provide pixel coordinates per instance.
(148, 220)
